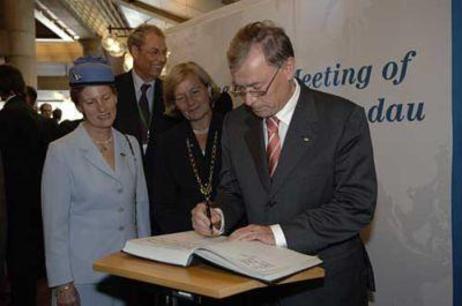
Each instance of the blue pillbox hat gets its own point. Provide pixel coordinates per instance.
(90, 70)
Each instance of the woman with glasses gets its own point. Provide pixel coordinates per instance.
(188, 157)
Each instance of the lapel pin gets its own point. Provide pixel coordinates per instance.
(306, 139)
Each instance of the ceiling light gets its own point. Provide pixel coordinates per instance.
(114, 44)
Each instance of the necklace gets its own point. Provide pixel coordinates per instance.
(204, 188)
(103, 145)
(201, 131)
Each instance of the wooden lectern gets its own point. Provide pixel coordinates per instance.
(198, 279)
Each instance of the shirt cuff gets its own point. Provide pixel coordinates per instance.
(279, 237)
(222, 217)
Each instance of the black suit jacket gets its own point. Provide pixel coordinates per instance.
(128, 119)
(175, 188)
(23, 145)
(322, 193)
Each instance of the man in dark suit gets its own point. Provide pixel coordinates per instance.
(22, 146)
(140, 108)
(48, 126)
(299, 164)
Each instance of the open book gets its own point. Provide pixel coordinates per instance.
(254, 259)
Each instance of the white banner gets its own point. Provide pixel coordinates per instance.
(392, 57)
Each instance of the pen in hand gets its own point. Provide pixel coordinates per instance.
(209, 215)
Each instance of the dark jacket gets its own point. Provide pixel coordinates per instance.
(322, 193)
(175, 188)
(23, 144)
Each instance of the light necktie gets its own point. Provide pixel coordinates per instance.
(144, 107)
(273, 149)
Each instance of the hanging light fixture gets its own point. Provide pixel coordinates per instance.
(108, 41)
(114, 44)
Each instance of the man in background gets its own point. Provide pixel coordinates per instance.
(57, 114)
(48, 126)
(298, 164)
(22, 149)
(46, 110)
(31, 98)
(140, 108)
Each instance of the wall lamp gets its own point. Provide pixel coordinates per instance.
(115, 44)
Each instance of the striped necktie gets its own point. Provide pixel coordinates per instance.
(273, 149)
(144, 107)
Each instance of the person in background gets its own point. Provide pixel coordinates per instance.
(31, 97)
(22, 149)
(67, 126)
(299, 164)
(141, 108)
(46, 110)
(188, 156)
(98, 200)
(57, 114)
(49, 128)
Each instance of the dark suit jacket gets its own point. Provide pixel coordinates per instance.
(51, 129)
(322, 193)
(128, 121)
(175, 189)
(23, 146)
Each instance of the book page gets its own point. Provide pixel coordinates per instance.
(172, 248)
(183, 241)
(256, 259)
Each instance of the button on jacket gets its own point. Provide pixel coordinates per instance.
(89, 208)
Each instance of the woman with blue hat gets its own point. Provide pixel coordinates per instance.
(94, 193)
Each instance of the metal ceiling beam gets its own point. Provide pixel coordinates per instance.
(65, 15)
(163, 14)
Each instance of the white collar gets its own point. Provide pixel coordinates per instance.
(138, 81)
(285, 114)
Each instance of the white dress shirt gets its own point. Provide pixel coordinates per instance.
(138, 82)
(284, 116)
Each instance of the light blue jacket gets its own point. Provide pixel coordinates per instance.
(89, 209)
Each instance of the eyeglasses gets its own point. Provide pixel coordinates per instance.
(242, 91)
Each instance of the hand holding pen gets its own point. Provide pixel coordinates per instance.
(209, 215)
(205, 220)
